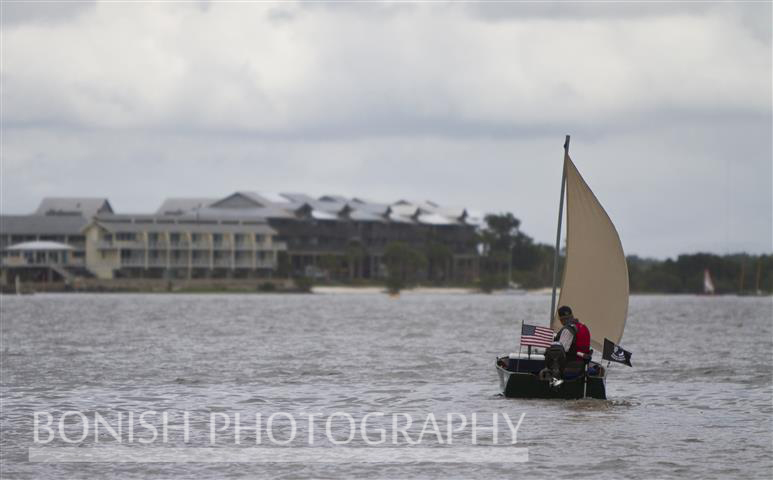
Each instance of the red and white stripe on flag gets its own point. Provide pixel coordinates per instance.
(535, 336)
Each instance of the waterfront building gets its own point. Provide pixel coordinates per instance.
(57, 220)
(247, 235)
(180, 246)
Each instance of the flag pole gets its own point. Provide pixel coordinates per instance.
(558, 232)
(520, 345)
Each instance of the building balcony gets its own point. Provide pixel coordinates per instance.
(133, 262)
(115, 244)
(222, 262)
(36, 262)
(182, 244)
(131, 243)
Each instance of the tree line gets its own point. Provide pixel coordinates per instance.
(508, 254)
(510, 257)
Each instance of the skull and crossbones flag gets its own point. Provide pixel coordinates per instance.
(615, 353)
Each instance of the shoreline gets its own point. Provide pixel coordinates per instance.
(367, 290)
(331, 290)
(276, 286)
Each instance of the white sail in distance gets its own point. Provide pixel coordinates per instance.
(708, 284)
(595, 277)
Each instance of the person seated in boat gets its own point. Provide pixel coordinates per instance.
(570, 346)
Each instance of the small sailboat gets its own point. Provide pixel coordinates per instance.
(594, 284)
(708, 284)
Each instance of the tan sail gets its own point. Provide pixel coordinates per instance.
(595, 279)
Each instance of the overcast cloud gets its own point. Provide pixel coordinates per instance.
(465, 104)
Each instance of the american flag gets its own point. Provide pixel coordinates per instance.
(536, 336)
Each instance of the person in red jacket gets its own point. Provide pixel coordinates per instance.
(571, 343)
(574, 336)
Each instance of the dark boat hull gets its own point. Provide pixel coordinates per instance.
(523, 382)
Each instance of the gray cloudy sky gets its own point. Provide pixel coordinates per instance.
(669, 107)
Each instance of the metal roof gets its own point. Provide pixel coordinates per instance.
(256, 206)
(192, 227)
(333, 198)
(242, 200)
(364, 216)
(42, 245)
(435, 219)
(271, 211)
(322, 215)
(86, 206)
(42, 224)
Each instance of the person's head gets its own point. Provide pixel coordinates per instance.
(564, 314)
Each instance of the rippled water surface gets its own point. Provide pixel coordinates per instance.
(697, 404)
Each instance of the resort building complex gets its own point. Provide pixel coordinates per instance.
(243, 235)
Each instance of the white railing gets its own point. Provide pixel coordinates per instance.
(31, 262)
(133, 262)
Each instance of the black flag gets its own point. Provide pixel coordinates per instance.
(615, 353)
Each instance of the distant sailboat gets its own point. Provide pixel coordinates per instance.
(708, 284)
(594, 285)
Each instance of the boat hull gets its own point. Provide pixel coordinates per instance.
(526, 384)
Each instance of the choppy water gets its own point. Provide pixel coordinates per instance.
(697, 404)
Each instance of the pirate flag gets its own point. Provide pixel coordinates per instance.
(615, 353)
